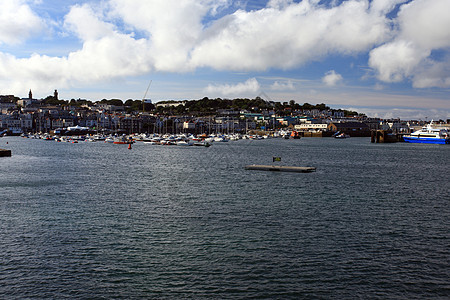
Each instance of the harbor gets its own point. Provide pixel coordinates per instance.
(190, 222)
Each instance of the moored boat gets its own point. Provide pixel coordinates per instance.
(341, 136)
(122, 140)
(429, 135)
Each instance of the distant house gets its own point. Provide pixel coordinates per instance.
(6, 107)
(189, 125)
(110, 107)
(350, 128)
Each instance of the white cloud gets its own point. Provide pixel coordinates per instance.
(287, 34)
(426, 23)
(133, 37)
(433, 74)
(424, 26)
(174, 27)
(279, 4)
(332, 78)
(251, 86)
(396, 60)
(384, 6)
(282, 86)
(87, 24)
(106, 54)
(18, 22)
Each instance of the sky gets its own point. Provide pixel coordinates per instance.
(383, 58)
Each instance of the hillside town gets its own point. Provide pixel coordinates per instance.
(52, 115)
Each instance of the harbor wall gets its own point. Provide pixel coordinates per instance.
(385, 136)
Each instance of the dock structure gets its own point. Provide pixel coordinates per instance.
(385, 136)
(5, 153)
(281, 168)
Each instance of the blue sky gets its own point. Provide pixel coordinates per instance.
(385, 58)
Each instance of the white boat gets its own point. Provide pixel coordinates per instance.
(204, 144)
(220, 139)
(429, 135)
(341, 136)
(183, 143)
(109, 139)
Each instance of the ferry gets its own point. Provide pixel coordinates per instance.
(429, 135)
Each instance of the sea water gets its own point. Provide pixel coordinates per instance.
(97, 220)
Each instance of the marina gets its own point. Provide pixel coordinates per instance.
(155, 139)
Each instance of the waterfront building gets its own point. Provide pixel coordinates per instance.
(310, 126)
(350, 128)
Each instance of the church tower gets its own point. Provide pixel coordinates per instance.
(55, 95)
(30, 95)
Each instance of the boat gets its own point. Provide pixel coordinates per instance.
(109, 140)
(295, 135)
(341, 135)
(122, 140)
(204, 144)
(429, 135)
(183, 143)
(47, 137)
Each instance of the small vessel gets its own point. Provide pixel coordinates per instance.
(183, 143)
(429, 135)
(204, 144)
(109, 140)
(122, 140)
(295, 135)
(47, 137)
(341, 135)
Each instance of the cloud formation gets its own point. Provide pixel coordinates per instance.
(283, 86)
(251, 86)
(287, 34)
(121, 38)
(423, 27)
(332, 78)
(18, 22)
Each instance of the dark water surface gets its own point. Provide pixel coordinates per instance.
(96, 220)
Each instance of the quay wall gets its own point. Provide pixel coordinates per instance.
(385, 136)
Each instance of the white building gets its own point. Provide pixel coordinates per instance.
(306, 126)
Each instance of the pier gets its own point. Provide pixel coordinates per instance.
(385, 136)
(5, 153)
(281, 168)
